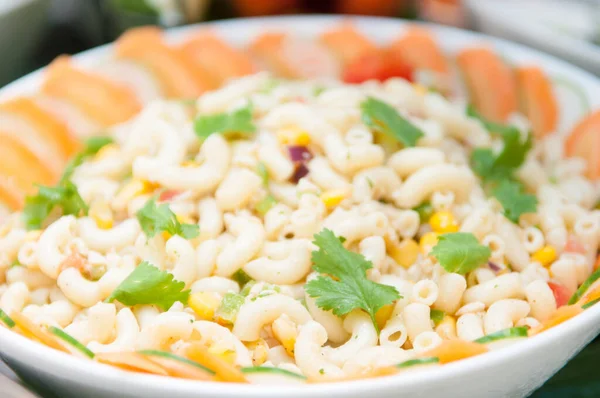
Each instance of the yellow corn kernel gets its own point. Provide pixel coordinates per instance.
(260, 350)
(285, 331)
(293, 136)
(223, 352)
(443, 222)
(184, 219)
(332, 198)
(404, 253)
(447, 328)
(428, 241)
(106, 151)
(102, 214)
(383, 315)
(132, 189)
(420, 89)
(545, 256)
(204, 304)
(302, 138)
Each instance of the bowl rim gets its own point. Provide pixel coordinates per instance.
(99, 375)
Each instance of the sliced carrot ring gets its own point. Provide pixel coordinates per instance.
(51, 130)
(224, 370)
(292, 58)
(418, 49)
(104, 101)
(31, 329)
(218, 58)
(584, 142)
(21, 165)
(347, 43)
(537, 99)
(561, 315)
(490, 81)
(454, 350)
(131, 361)
(177, 73)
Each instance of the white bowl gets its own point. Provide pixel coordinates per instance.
(511, 372)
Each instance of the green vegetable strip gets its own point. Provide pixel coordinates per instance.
(425, 211)
(168, 355)
(71, 340)
(591, 303)
(283, 372)
(418, 361)
(584, 287)
(6, 319)
(509, 333)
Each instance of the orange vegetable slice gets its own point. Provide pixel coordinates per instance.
(218, 58)
(454, 350)
(178, 74)
(34, 330)
(561, 315)
(490, 81)
(105, 102)
(50, 130)
(78, 123)
(418, 49)
(347, 43)
(224, 370)
(293, 58)
(584, 142)
(591, 294)
(21, 166)
(179, 369)
(537, 99)
(10, 194)
(131, 361)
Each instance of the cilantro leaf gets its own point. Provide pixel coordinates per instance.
(460, 252)
(514, 201)
(383, 118)
(490, 126)
(91, 147)
(154, 219)
(149, 285)
(64, 196)
(238, 121)
(352, 289)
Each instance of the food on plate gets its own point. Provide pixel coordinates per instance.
(299, 231)
(537, 100)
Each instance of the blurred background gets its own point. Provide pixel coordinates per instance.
(33, 32)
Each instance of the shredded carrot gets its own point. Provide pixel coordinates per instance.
(31, 329)
(591, 294)
(597, 264)
(224, 370)
(131, 361)
(454, 350)
(179, 369)
(562, 314)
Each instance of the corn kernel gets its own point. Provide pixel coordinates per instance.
(106, 151)
(204, 304)
(302, 138)
(260, 350)
(184, 219)
(285, 331)
(443, 222)
(428, 241)
(404, 253)
(383, 315)
(293, 136)
(102, 214)
(332, 198)
(131, 190)
(420, 89)
(447, 328)
(223, 352)
(545, 256)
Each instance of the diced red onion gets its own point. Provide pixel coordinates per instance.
(299, 153)
(494, 267)
(301, 171)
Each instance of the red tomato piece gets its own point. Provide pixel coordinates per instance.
(561, 293)
(375, 66)
(574, 246)
(168, 195)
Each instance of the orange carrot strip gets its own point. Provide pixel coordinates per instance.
(418, 49)
(225, 371)
(104, 101)
(177, 73)
(218, 58)
(562, 314)
(490, 82)
(179, 369)
(454, 350)
(584, 142)
(10, 194)
(537, 99)
(38, 332)
(347, 43)
(21, 166)
(591, 294)
(131, 361)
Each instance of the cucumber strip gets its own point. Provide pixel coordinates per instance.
(584, 287)
(277, 371)
(61, 334)
(418, 361)
(509, 333)
(6, 319)
(437, 316)
(591, 303)
(174, 357)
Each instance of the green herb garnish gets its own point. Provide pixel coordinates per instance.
(383, 118)
(460, 252)
(154, 219)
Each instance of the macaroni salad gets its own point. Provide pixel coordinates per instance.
(281, 231)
